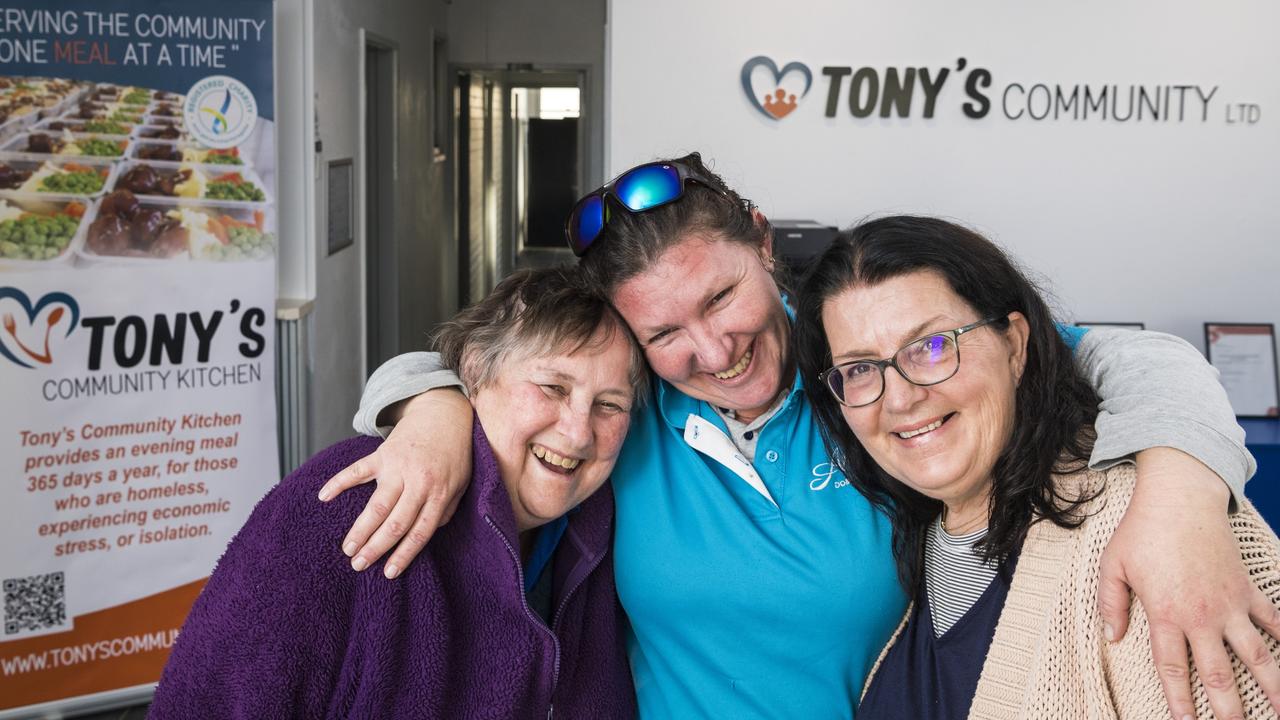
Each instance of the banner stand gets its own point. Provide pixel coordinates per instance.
(137, 330)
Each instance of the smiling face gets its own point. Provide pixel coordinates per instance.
(711, 321)
(942, 440)
(556, 423)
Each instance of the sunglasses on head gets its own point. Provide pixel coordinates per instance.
(641, 188)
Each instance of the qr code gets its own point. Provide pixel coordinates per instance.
(34, 603)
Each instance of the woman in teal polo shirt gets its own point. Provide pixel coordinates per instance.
(757, 582)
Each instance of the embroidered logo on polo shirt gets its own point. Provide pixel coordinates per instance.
(822, 475)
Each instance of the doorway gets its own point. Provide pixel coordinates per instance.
(381, 285)
(523, 160)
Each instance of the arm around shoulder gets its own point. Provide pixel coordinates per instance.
(1158, 391)
(398, 379)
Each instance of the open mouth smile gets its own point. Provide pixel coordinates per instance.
(554, 461)
(738, 368)
(923, 429)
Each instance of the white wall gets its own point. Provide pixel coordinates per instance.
(1169, 223)
(423, 228)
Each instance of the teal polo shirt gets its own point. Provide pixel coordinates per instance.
(762, 596)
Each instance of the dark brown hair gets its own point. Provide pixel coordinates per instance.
(631, 242)
(532, 312)
(1055, 406)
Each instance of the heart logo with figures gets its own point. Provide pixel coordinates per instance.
(775, 92)
(30, 333)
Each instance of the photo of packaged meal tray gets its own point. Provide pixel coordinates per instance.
(68, 143)
(136, 96)
(170, 151)
(11, 125)
(100, 126)
(93, 110)
(23, 101)
(82, 177)
(165, 110)
(19, 107)
(190, 181)
(37, 233)
(127, 228)
(160, 132)
(161, 121)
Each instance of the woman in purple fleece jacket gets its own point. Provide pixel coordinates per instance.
(513, 614)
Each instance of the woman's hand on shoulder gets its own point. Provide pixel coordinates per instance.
(1175, 550)
(422, 471)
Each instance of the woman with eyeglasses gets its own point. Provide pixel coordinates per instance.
(756, 581)
(953, 404)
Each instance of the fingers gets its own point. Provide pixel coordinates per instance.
(1169, 651)
(357, 473)
(375, 512)
(389, 532)
(1264, 614)
(423, 528)
(453, 508)
(1113, 600)
(1214, 667)
(1252, 649)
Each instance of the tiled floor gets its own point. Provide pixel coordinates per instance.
(138, 712)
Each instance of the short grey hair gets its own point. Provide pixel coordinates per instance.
(533, 312)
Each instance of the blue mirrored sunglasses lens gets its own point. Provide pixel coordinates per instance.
(587, 222)
(648, 187)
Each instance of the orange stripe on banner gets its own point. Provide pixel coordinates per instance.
(115, 648)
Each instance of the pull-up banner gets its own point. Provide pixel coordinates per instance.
(137, 290)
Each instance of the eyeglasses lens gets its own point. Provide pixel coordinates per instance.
(856, 384)
(587, 222)
(647, 187)
(927, 361)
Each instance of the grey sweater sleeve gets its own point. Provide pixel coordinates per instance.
(1158, 391)
(400, 378)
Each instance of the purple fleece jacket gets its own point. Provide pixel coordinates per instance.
(286, 629)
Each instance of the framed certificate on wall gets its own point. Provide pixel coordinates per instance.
(1122, 325)
(1245, 356)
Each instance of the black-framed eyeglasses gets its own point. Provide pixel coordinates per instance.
(925, 361)
(643, 187)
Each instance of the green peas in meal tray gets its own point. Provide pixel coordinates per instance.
(80, 180)
(101, 148)
(38, 237)
(239, 239)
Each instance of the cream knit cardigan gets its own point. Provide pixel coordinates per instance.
(1049, 659)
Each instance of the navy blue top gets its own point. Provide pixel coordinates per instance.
(928, 678)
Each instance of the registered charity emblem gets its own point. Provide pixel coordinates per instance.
(220, 112)
(775, 92)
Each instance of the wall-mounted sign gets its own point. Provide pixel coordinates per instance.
(909, 90)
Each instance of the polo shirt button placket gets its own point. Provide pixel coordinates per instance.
(771, 456)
